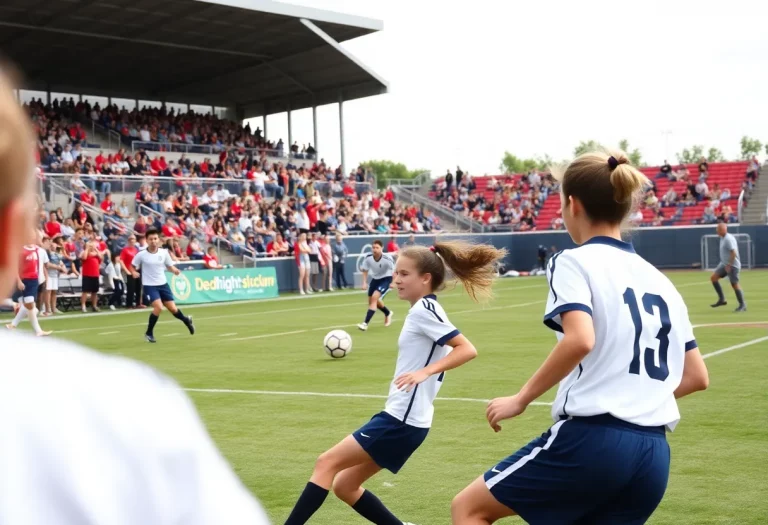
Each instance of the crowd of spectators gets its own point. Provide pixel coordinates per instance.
(515, 203)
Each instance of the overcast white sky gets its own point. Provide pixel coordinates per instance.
(470, 81)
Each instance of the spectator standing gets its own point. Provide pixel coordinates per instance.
(55, 268)
(326, 261)
(448, 181)
(340, 252)
(665, 170)
(91, 258)
(115, 278)
(392, 246)
(314, 263)
(43, 260)
(133, 286)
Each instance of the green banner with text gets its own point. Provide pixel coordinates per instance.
(212, 286)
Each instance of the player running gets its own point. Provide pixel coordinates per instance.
(730, 265)
(424, 354)
(380, 265)
(625, 352)
(27, 284)
(153, 262)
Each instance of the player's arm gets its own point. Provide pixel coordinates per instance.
(463, 352)
(733, 258)
(578, 340)
(695, 374)
(135, 266)
(169, 264)
(569, 311)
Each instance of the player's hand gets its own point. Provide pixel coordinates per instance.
(503, 408)
(728, 268)
(410, 380)
(364, 287)
(176, 271)
(20, 286)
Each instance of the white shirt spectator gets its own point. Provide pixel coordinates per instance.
(68, 412)
(534, 179)
(702, 188)
(42, 259)
(302, 220)
(245, 222)
(222, 195)
(636, 217)
(76, 183)
(145, 136)
(66, 157)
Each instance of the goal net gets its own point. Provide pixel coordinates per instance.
(710, 251)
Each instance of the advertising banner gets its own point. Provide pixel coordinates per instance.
(211, 286)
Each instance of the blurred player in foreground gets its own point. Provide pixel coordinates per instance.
(625, 352)
(428, 346)
(730, 265)
(88, 438)
(27, 284)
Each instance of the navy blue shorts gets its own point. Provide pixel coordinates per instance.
(379, 285)
(153, 293)
(389, 441)
(593, 470)
(31, 286)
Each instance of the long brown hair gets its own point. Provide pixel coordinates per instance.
(474, 265)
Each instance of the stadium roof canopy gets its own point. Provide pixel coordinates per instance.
(256, 56)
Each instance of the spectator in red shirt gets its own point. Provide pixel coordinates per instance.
(211, 260)
(91, 269)
(348, 190)
(133, 298)
(100, 160)
(53, 226)
(392, 246)
(88, 197)
(108, 205)
(170, 230)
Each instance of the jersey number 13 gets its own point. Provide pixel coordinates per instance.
(650, 300)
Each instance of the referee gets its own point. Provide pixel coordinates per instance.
(730, 265)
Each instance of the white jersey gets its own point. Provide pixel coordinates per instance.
(380, 269)
(422, 342)
(89, 438)
(152, 266)
(642, 332)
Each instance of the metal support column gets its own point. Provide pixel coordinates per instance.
(341, 133)
(314, 129)
(290, 130)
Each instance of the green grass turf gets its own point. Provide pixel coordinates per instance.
(719, 451)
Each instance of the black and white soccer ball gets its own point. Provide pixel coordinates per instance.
(337, 343)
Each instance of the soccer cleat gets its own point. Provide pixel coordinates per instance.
(150, 338)
(719, 303)
(742, 308)
(10, 326)
(84, 310)
(363, 326)
(112, 307)
(388, 319)
(44, 334)
(191, 326)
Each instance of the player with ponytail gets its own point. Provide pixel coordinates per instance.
(625, 351)
(429, 345)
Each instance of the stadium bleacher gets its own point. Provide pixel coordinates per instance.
(512, 195)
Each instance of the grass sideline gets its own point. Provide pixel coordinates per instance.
(250, 364)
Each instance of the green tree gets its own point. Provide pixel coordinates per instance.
(715, 155)
(750, 147)
(513, 164)
(691, 156)
(387, 170)
(635, 156)
(586, 147)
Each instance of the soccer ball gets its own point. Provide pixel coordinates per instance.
(337, 343)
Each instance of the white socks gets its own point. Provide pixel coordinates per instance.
(19, 316)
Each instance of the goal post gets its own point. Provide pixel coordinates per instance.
(710, 251)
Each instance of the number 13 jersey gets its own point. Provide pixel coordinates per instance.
(642, 332)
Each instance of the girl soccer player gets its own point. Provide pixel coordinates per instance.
(625, 352)
(390, 437)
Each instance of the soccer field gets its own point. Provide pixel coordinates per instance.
(273, 401)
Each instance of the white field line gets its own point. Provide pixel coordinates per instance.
(735, 347)
(171, 335)
(379, 396)
(228, 335)
(108, 333)
(713, 325)
(332, 394)
(275, 299)
(262, 336)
